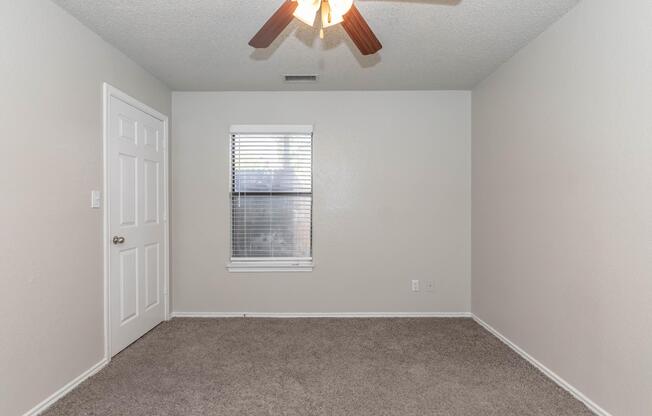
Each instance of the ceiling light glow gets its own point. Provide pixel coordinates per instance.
(332, 11)
(306, 11)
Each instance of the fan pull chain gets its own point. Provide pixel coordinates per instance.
(327, 5)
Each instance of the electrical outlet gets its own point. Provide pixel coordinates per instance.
(415, 285)
(429, 285)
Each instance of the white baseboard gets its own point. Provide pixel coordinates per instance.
(41, 407)
(545, 370)
(321, 314)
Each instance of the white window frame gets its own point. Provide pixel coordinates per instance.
(252, 264)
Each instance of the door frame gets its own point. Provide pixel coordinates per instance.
(110, 91)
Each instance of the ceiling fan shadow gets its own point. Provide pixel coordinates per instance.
(306, 35)
(334, 36)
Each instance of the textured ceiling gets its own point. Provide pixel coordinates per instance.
(428, 44)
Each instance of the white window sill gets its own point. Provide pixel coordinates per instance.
(269, 266)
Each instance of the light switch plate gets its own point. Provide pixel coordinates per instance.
(96, 199)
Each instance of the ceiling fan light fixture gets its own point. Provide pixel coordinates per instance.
(307, 10)
(339, 8)
(332, 11)
(328, 18)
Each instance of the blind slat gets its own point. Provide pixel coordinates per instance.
(271, 196)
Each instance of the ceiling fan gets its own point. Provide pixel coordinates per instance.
(332, 12)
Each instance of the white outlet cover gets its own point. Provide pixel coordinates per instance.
(96, 199)
(429, 286)
(415, 285)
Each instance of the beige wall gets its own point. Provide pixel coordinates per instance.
(562, 201)
(392, 202)
(562, 196)
(51, 74)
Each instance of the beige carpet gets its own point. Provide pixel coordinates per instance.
(358, 367)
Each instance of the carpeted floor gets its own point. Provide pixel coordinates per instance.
(354, 367)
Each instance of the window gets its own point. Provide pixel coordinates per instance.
(271, 198)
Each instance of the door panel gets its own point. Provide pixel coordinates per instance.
(127, 191)
(151, 137)
(127, 128)
(128, 285)
(152, 177)
(136, 263)
(152, 275)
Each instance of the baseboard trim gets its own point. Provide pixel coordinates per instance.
(545, 370)
(45, 404)
(290, 315)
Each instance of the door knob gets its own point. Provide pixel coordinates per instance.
(118, 240)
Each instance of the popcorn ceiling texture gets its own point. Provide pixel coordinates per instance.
(428, 44)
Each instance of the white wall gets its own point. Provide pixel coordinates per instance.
(392, 202)
(562, 202)
(51, 74)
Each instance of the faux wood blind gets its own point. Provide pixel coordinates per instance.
(271, 196)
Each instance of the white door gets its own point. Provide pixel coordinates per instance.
(136, 227)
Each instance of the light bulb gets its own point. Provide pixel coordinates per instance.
(306, 11)
(340, 7)
(332, 13)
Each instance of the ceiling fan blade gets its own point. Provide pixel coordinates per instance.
(275, 25)
(360, 32)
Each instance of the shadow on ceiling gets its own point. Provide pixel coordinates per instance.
(333, 37)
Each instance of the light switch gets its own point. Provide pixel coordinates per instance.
(96, 199)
